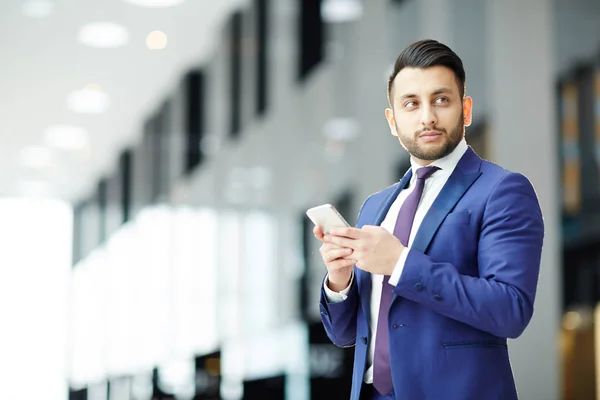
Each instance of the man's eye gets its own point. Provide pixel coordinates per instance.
(441, 100)
(410, 104)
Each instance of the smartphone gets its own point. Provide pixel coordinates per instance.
(327, 217)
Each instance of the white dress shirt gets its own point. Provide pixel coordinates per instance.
(433, 186)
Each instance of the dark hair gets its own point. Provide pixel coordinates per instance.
(428, 53)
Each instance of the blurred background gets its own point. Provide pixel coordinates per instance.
(157, 158)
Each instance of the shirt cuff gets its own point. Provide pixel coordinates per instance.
(337, 297)
(395, 278)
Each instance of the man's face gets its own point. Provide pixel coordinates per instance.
(428, 116)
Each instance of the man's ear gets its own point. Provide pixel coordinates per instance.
(389, 115)
(468, 110)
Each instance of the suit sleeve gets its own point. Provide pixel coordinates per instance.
(339, 318)
(499, 301)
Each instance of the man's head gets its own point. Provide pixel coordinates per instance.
(428, 109)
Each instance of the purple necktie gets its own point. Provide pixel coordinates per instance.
(382, 375)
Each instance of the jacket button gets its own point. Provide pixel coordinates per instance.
(419, 286)
(438, 297)
(363, 339)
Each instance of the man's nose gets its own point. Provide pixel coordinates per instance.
(428, 118)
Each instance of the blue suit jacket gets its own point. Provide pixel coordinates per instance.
(468, 284)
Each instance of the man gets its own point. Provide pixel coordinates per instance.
(442, 267)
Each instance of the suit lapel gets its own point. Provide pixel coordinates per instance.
(464, 175)
(389, 200)
(461, 179)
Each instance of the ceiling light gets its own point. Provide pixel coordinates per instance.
(66, 137)
(335, 11)
(37, 8)
(35, 157)
(155, 3)
(89, 100)
(156, 40)
(103, 35)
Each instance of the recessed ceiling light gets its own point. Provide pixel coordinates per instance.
(37, 8)
(336, 11)
(156, 40)
(66, 137)
(89, 100)
(103, 35)
(35, 157)
(155, 3)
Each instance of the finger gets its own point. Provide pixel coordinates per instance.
(353, 233)
(325, 247)
(341, 241)
(318, 232)
(337, 253)
(339, 264)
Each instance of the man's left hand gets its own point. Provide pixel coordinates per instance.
(376, 250)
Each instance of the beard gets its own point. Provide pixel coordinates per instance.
(433, 151)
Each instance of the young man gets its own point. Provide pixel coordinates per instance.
(443, 266)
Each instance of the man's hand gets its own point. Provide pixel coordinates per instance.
(374, 249)
(339, 267)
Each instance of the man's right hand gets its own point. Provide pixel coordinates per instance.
(339, 266)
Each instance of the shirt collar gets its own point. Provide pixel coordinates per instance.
(448, 163)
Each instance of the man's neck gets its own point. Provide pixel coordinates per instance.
(422, 163)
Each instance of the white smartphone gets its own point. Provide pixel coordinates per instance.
(327, 217)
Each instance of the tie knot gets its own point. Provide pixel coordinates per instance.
(425, 172)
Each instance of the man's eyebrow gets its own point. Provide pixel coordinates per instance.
(407, 96)
(441, 90)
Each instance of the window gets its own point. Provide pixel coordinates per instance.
(311, 36)
(262, 56)
(570, 146)
(166, 141)
(101, 196)
(235, 77)
(141, 175)
(195, 119)
(77, 232)
(125, 165)
(113, 214)
(90, 226)
(587, 119)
